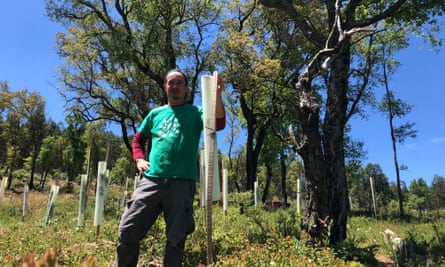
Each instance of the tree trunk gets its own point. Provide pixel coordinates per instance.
(255, 140)
(268, 181)
(327, 195)
(309, 148)
(33, 168)
(283, 181)
(394, 149)
(251, 160)
(333, 144)
(253, 149)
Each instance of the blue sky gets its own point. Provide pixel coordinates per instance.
(28, 60)
(419, 82)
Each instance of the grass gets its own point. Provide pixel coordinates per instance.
(258, 237)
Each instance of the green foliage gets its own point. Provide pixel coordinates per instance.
(438, 192)
(49, 158)
(241, 199)
(60, 175)
(259, 237)
(438, 241)
(360, 188)
(120, 170)
(22, 130)
(127, 48)
(20, 175)
(420, 241)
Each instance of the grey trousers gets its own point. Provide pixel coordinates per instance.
(152, 196)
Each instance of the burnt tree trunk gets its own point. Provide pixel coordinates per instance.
(309, 147)
(333, 144)
(324, 156)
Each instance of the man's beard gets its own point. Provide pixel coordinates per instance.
(176, 98)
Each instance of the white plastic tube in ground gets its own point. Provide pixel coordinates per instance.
(208, 84)
(101, 189)
(82, 200)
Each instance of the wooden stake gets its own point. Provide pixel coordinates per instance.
(374, 202)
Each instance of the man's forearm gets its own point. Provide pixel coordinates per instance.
(220, 113)
(138, 146)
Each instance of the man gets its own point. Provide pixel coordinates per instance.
(169, 174)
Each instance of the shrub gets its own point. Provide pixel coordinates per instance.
(259, 237)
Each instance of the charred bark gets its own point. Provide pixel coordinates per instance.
(309, 147)
(333, 144)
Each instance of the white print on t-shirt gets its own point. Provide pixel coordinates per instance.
(169, 128)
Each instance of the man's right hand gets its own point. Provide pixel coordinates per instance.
(142, 165)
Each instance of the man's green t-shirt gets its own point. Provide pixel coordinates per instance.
(175, 133)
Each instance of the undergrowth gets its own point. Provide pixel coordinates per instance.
(242, 236)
